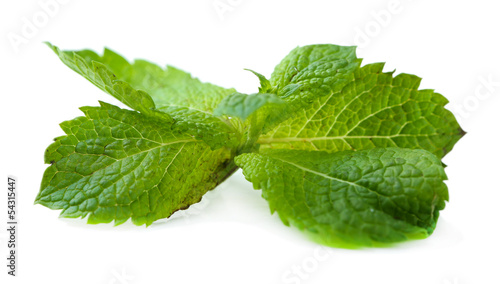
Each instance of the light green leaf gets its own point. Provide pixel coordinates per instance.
(174, 87)
(116, 164)
(175, 93)
(167, 87)
(364, 198)
(313, 71)
(104, 79)
(242, 105)
(214, 131)
(374, 110)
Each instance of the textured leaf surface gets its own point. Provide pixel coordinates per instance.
(167, 87)
(214, 131)
(313, 71)
(174, 87)
(374, 110)
(350, 198)
(100, 75)
(174, 92)
(116, 164)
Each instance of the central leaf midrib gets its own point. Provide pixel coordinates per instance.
(148, 150)
(327, 176)
(308, 139)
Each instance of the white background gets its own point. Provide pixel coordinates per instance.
(230, 237)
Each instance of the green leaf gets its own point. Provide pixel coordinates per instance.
(348, 199)
(83, 63)
(374, 110)
(167, 87)
(175, 93)
(313, 71)
(214, 131)
(116, 164)
(242, 105)
(174, 87)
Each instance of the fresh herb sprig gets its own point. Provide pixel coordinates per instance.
(347, 153)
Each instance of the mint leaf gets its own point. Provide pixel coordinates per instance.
(117, 164)
(242, 105)
(174, 87)
(214, 131)
(174, 92)
(362, 198)
(313, 71)
(374, 110)
(166, 87)
(104, 79)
